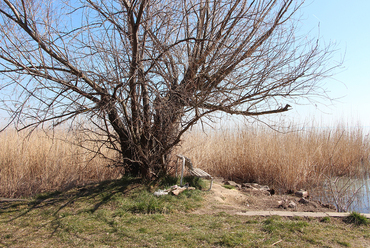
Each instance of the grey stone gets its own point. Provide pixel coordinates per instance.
(292, 204)
(304, 201)
(264, 187)
(301, 193)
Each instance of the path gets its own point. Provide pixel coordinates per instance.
(300, 214)
(232, 201)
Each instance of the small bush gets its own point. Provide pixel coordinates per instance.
(196, 182)
(357, 219)
(168, 181)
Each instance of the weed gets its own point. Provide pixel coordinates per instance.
(195, 182)
(229, 186)
(357, 219)
(344, 243)
(8, 236)
(143, 230)
(325, 219)
(251, 222)
(168, 181)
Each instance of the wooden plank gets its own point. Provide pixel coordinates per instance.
(200, 173)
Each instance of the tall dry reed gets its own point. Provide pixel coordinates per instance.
(302, 159)
(46, 162)
(286, 161)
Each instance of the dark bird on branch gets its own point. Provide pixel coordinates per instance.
(286, 108)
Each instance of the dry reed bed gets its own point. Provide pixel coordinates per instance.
(286, 161)
(46, 162)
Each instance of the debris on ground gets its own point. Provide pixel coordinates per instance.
(160, 192)
(175, 190)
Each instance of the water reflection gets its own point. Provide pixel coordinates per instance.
(347, 194)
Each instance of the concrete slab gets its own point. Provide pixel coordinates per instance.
(300, 214)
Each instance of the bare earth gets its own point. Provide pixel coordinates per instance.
(233, 201)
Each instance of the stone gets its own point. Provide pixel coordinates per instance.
(178, 191)
(264, 187)
(330, 206)
(304, 201)
(292, 204)
(283, 204)
(232, 183)
(248, 186)
(301, 193)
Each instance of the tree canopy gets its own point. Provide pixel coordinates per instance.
(139, 73)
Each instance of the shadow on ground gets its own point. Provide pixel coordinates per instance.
(95, 194)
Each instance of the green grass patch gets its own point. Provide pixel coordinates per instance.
(325, 219)
(357, 219)
(228, 186)
(277, 225)
(124, 213)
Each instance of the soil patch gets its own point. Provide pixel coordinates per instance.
(231, 201)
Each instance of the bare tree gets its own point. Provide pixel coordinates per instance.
(140, 73)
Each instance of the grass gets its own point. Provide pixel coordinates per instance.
(357, 219)
(326, 219)
(123, 213)
(228, 186)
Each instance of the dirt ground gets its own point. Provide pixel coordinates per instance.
(231, 201)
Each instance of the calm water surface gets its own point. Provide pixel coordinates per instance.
(350, 194)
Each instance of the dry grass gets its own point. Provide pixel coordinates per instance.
(45, 162)
(286, 161)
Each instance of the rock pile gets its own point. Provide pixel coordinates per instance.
(290, 201)
(252, 188)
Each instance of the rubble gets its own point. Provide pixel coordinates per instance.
(175, 190)
(160, 192)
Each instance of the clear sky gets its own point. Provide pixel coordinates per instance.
(347, 23)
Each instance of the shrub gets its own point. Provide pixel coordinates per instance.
(357, 219)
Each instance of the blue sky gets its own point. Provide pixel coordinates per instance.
(347, 23)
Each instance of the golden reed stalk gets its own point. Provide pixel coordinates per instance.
(286, 161)
(46, 162)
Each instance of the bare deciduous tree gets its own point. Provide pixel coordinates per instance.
(144, 71)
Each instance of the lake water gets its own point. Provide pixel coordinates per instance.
(347, 194)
